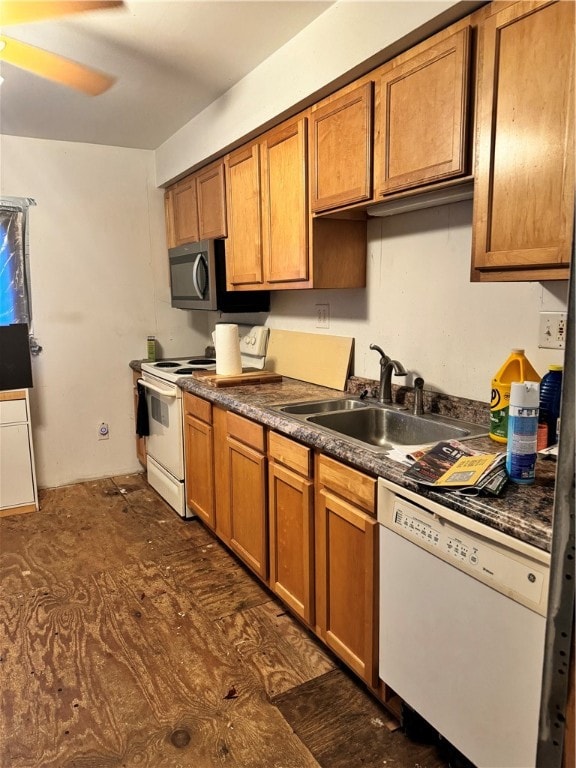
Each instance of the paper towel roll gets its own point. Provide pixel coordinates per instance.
(227, 343)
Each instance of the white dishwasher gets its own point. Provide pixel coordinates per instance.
(462, 623)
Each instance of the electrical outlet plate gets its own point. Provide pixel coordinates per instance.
(322, 315)
(552, 332)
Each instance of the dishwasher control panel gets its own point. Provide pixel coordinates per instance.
(455, 546)
(510, 572)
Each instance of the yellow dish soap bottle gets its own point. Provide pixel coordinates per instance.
(518, 369)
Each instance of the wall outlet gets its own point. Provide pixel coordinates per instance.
(322, 315)
(552, 333)
(103, 431)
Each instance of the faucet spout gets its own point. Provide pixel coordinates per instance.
(418, 408)
(387, 366)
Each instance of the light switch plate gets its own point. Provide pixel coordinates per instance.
(552, 332)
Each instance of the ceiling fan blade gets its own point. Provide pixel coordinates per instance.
(19, 12)
(54, 67)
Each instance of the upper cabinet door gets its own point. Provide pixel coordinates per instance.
(341, 156)
(244, 246)
(211, 194)
(285, 203)
(169, 217)
(422, 115)
(524, 177)
(185, 211)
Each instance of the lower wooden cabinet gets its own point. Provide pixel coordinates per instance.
(291, 519)
(347, 565)
(199, 457)
(140, 441)
(247, 485)
(304, 524)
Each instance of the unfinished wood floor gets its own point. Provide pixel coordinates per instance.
(131, 638)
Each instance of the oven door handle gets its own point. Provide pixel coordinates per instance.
(158, 390)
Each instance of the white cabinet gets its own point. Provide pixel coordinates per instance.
(18, 492)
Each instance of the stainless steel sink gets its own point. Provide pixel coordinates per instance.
(385, 428)
(323, 406)
(379, 427)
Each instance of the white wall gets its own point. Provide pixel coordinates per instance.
(99, 287)
(422, 309)
(336, 43)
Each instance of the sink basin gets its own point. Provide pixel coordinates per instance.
(385, 428)
(323, 406)
(379, 427)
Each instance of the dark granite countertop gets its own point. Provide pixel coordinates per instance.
(523, 512)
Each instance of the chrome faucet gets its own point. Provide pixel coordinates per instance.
(387, 365)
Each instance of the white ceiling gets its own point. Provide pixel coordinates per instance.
(172, 58)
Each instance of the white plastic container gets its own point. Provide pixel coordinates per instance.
(523, 431)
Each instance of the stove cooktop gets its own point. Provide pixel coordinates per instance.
(181, 366)
(253, 344)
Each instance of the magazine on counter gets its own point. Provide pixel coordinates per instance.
(451, 464)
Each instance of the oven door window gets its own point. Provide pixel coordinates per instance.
(164, 443)
(159, 411)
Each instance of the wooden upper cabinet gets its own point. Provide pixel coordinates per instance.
(195, 207)
(244, 245)
(422, 115)
(285, 203)
(524, 177)
(211, 195)
(169, 218)
(341, 149)
(272, 240)
(185, 212)
(268, 209)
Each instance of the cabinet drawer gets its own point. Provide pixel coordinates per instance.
(13, 411)
(246, 431)
(290, 453)
(354, 486)
(198, 407)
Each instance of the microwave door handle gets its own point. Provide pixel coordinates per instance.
(158, 390)
(200, 265)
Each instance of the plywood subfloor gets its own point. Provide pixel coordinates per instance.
(131, 638)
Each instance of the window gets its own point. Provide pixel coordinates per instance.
(15, 305)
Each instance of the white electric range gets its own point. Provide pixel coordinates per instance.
(165, 442)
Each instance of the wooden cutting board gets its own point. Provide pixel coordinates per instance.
(313, 357)
(237, 380)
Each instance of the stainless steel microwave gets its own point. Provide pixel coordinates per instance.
(198, 280)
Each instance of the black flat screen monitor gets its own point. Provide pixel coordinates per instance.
(15, 364)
